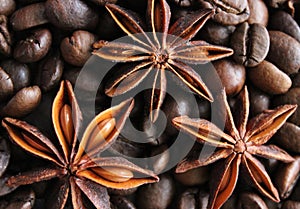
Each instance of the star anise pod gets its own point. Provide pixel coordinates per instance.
(77, 164)
(237, 146)
(164, 48)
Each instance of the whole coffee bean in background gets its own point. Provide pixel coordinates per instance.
(287, 5)
(7, 7)
(76, 50)
(259, 101)
(250, 44)
(5, 37)
(250, 201)
(204, 108)
(289, 204)
(284, 52)
(296, 80)
(4, 155)
(18, 73)
(234, 13)
(28, 17)
(4, 189)
(188, 199)
(119, 202)
(50, 71)
(285, 177)
(24, 102)
(284, 22)
(268, 78)
(288, 137)
(156, 196)
(20, 199)
(232, 75)
(291, 97)
(193, 177)
(160, 158)
(216, 33)
(71, 14)
(34, 47)
(6, 85)
(258, 12)
(121, 192)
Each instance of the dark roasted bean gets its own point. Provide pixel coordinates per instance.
(5, 37)
(250, 201)
(258, 12)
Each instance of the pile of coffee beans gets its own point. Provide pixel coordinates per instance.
(45, 41)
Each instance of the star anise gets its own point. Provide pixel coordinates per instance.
(164, 48)
(236, 146)
(78, 167)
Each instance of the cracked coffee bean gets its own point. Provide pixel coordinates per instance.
(5, 37)
(250, 44)
(34, 47)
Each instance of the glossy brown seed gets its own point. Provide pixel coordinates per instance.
(7, 7)
(258, 12)
(291, 204)
(250, 200)
(286, 176)
(284, 46)
(114, 174)
(71, 14)
(6, 85)
(232, 75)
(160, 158)
(193, 177)
(29, 16)
(76, 50)
(66, 122)
(34, 47)
(259, 101)
(268, 78)
(5, 37)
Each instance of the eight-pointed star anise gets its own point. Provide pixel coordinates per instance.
(164, 48)
(237, 146)
(79, 167)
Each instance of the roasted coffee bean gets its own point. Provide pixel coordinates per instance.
(291, 97)
(288, 137)
(284, 52)
(228, 12)
(20, 199)
(24, 102)
(18, 73)
(6, 85)
(71, 14)
(296, 80)
(119, 202)
(258, 12)
(289, 204)
(34, 47)
(4, 155)
(160, 158)
(28, 17)
(50, 71)
(284, 22)
(268, 78)
(4, 189)
(216, 33)
(5, 37)
(76, 50)
(230, 203)
(286, 177)
(194, 176)
(232, 75)
(250, 201)
(121, 192)
(250, 44)
(158, 195)
(188, 199)
(7, 7)
(184, 3)
(259, 101)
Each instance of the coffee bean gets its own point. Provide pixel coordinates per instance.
(183, 3)
(194, 176)
(250, 200)
(160, 158)
(76, 50)
(285, 177)
(4, 155)
(6, 85)
(29, 16)
(50, 71)
(259, 101)
(18, 73)
(24, 102)
(120, 202)
(268, 78)
(258, 12)
(158, 195)
(250, 44)
(71, 14)
(288, 137)
(34, 47)
(296, 80)
(296, 193)
(4, 189)
(284, 22)
(5, 37)
(121, 192)
(291, 205)
(21, 199)
(233, 13)
(188, 199)
(291, 97)
(7, 7)
(232, 75)
(284, 52)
